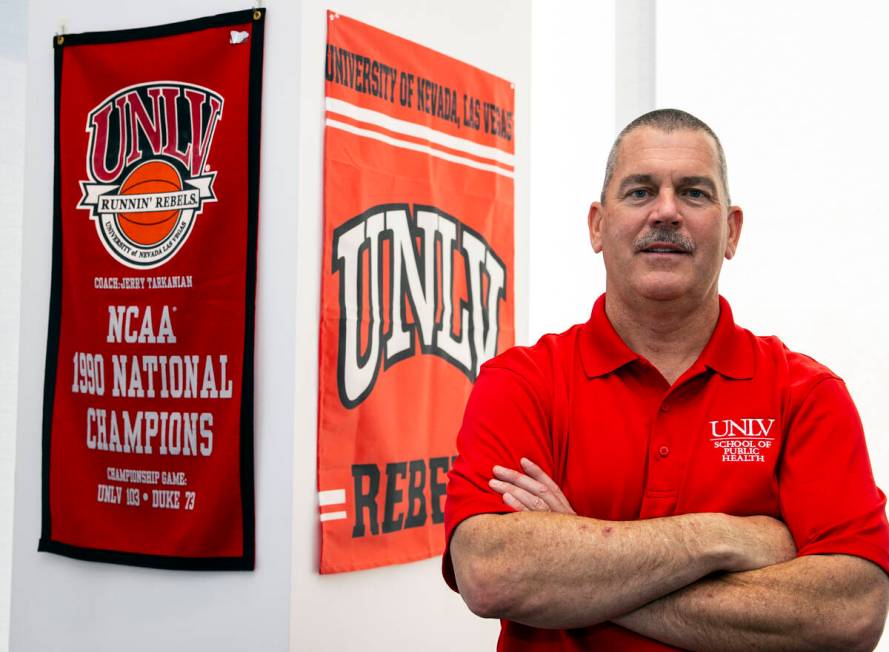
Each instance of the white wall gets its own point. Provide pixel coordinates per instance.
(61, 604)
(572, 113)
(12, 117)
(12, 137)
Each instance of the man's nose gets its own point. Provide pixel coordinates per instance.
(665, 211)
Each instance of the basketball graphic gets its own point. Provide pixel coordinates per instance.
(150, 178)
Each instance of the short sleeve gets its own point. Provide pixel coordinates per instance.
(507, 417)
(829, 500)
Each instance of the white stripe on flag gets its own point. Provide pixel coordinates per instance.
(333, 516)
(404, 144)
(418, 131)
(331, 497)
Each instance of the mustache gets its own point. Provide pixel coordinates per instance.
(665, 236)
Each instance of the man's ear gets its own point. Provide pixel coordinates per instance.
(735, 222)
(594, 224)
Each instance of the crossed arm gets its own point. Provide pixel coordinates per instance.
(697, 581)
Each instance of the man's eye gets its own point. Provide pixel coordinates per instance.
(696, 193)
(638, 193)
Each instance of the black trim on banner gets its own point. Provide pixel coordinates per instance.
(55, 307)
(46, 544)
(254, 132)
(171, 29)
(145, 561)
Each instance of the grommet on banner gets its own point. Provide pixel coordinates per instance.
(60, 35)
(257, 11)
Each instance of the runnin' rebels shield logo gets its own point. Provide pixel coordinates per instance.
(147, 162)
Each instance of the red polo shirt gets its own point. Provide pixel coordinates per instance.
(750, 428)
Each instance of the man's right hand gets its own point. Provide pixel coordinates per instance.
(757, 541)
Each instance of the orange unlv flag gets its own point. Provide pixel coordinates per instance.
(417, 284)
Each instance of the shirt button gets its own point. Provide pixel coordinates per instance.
(663, 451)
(665, 407)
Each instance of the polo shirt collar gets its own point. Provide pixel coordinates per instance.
(729, 351)
(601, 348)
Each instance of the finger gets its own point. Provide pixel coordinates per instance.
(499, 486)
(528, 500)
(555, 502)
(511, 501)
(538, 474)
(520, 480)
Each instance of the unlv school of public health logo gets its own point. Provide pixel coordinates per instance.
(147, 163)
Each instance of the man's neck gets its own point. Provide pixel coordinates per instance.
(669, 334)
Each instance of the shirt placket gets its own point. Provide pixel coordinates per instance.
(668, 452)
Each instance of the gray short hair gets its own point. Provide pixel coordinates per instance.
(668, 121)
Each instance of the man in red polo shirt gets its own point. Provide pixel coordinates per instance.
(660, 478)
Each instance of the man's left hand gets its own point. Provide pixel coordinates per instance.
(531, 491)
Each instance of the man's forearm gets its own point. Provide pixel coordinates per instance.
(561, 571)
(815, 602)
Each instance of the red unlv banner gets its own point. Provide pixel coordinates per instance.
(417, 284)
(148, 398)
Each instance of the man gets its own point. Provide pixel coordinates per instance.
(660, 478)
